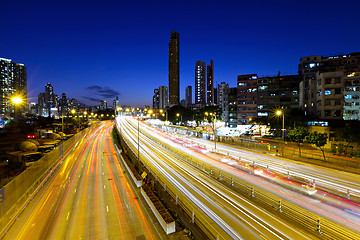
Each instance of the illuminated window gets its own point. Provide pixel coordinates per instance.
(327, 92)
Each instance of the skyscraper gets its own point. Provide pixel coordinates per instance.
(13, 82)
(163, 97)
(174, 68)
(210, 83)
(156, 98)
(200, 82)
(116, 103)
(188, 96)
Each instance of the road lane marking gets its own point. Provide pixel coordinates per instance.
(104, 186)
(75, 190)
(67, 218)
(107, 208)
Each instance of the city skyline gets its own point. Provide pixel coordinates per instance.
(99, 52)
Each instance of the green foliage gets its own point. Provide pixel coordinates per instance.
(349, 134)
(318, 139)
(297, 134)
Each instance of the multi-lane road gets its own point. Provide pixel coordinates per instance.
(221, 211)
(87, 197)
(219, 202)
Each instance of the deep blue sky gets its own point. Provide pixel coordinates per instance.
(101, 49)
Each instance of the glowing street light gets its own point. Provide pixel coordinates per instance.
(16, 100)
(279, 113)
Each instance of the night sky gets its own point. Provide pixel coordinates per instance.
(94, 50)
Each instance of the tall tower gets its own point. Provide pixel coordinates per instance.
(200, 82)
(188, 96)
(13, 82)
(210, 83)
(163, 96)
(174, 68)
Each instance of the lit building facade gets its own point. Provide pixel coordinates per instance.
(277, 92)
(174, 68)
(200, 82)
(156, 99)
(246, 98)
(311, 67)
(351, 105)
(13, 82)
(163, 97)
(210, 83)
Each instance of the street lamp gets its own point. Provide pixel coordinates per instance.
(279, 113)
(214, 125)
(179, 115)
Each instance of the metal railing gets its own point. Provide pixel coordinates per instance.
(323, 228)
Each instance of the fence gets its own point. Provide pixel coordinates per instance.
(18, 193)
(313, 223)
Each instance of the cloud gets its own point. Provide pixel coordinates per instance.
(104, 92)
(93, 87)
(92, 99)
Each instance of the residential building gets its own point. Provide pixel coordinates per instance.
(351, 107)
(277, 92)
(229, 107)
(221, 88)
(48, 102)
(156, 99)
(174, 68)
(210, 83)
(329, 95)
(312, 66)
(13, 83)
(216, 96)
(163, 97)
(246, 98)
(116, 103)
(103, 105)
(200, 82)
(188, 96)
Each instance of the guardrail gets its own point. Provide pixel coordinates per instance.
(310, 221)
(18, 193)
(180, 199)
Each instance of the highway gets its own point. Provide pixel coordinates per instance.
(224, 213)
(87, 197)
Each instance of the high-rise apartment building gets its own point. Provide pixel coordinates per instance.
(116, 103)
(102, 105)
(156, 99)
(210, 83)
(351, 105)
(277, 92)
(48, 102)
(221, 88)
(200, 82)
(311, 67)
(13, 83)
(163, 97)
(247, 98)
(174, 68)
(188, 96)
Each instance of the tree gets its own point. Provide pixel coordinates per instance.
(318, 139)
(297, 135)
(349, 135)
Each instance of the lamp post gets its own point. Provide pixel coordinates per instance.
(279, 113)
(214, 125)
(179, 115)
(17, 101)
